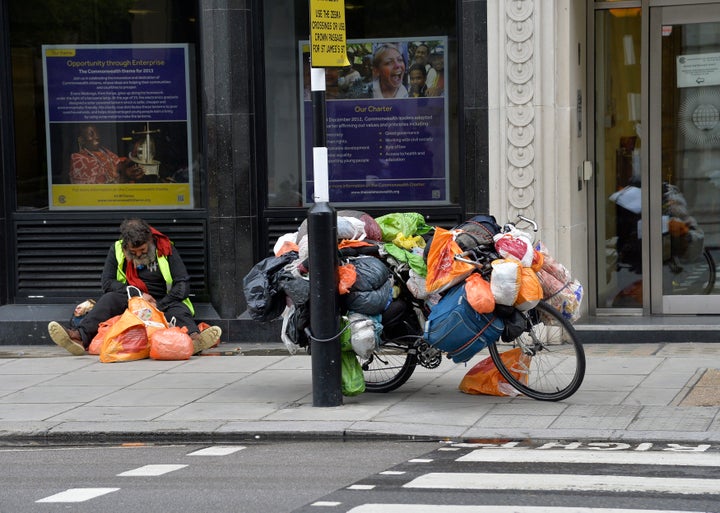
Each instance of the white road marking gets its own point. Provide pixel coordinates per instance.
(326, 503)
(220, 450)
(361, 487)
(392, 472)
(605, 457)
(420, 460)
(78, 494)
(447, 508)
(567, 482)
(151, 470)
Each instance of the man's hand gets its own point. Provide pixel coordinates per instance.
(149, 299)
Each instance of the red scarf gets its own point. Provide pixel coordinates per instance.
(164, 248)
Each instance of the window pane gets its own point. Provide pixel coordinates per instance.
(617, 154)
(116, 22)
(406, 23)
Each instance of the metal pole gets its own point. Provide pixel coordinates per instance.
(324, 319)
(323, 261)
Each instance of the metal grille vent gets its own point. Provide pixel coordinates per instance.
(64, 259)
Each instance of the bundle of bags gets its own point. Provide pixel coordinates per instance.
(141, 332)
(467, 310)
(687, 240)
(371, 251)
(474, 311)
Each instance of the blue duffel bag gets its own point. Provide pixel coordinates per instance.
(454, 327)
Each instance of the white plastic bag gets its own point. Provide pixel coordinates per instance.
(505, 281)
(350, 228)
(291, 346)
(515, 244)
(363, 334)
(416, 285)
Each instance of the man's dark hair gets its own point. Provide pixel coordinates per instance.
(134, 233)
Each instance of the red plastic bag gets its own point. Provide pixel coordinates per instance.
(484, 378)
(98, 339)
(443, 271)
(126, 340)
(171, 344)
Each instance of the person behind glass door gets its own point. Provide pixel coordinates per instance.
(94, 163)
(388, 73)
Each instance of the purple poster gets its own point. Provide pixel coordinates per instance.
(386, 125)
(116, 83)
(118, 126)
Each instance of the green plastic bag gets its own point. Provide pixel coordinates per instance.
(352, 381)
(416, 262)
(407, 223)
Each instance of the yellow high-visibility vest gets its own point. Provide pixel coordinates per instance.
(162, 264)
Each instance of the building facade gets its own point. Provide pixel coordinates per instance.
(563, 111)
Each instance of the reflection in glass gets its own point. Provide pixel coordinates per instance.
(617, 127)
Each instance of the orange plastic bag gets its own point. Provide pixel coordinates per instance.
(478, 293)
(153, 318)
(172, 343)
(443, 271)
(530, 292)
(126, 340)
(346, 278)
(484, 378)
(98, 339)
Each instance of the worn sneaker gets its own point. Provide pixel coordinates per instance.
(206, 338)
(68, 339)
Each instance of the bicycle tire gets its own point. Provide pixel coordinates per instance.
(710, 285)
(557, 364)
(690, 278)
(390, 366)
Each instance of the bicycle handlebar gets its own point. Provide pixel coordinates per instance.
(529, 221)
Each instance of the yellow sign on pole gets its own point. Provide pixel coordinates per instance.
(327, 34)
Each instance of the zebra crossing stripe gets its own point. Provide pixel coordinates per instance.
(564, 482)
(151, 470)
(78, 494)
(606, 457)
(219, 450)
(447, 508)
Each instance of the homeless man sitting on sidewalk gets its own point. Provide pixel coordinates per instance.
(146, 259)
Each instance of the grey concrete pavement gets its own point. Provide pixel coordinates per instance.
(639, 392)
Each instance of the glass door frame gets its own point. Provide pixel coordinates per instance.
(660, 15)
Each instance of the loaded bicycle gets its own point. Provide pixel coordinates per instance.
(547, 339)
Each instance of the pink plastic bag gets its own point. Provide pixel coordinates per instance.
(171, 344)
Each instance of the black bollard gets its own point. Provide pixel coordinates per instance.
(324, 314)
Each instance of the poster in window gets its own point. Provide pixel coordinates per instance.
(118, 126)
(386, 123)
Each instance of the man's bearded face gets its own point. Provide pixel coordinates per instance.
(141, 255)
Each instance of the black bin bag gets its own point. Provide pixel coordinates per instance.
(265, 299)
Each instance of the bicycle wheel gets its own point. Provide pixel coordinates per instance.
(694, 277)
(391, 365)
(556, 358)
